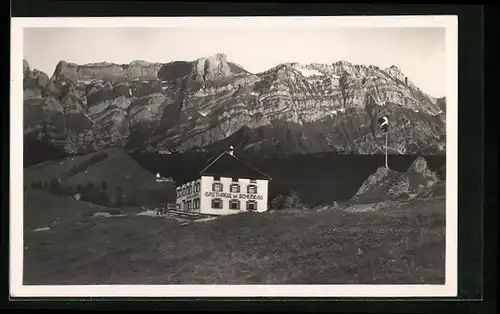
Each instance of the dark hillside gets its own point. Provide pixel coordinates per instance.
(317, 178)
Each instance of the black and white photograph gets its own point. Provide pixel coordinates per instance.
(234, 156)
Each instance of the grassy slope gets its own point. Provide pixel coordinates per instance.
(393, 245)
(43, 209)
(117, 170)
(46, 170)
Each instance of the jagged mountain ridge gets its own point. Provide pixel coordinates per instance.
(210, 102)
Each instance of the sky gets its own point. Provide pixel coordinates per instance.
(419, 52)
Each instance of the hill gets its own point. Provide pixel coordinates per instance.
(400, 243)
(110, 174)
(199, 104)
(44, 210)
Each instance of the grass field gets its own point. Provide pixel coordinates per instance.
(395, 244)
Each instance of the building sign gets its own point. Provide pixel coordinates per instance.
(235, 196)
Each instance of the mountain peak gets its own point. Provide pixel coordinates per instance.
(211, 68)
(343, 62)
(394, 68)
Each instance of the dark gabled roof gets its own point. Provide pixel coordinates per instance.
(227, 165)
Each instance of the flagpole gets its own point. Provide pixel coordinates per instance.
(386, 165)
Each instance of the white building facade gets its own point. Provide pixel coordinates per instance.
(226, 186)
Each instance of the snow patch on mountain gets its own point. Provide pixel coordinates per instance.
(308, 72)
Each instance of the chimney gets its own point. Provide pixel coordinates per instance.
(231, 150)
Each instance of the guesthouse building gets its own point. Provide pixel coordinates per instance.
(227, 185)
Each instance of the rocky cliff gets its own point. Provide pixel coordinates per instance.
(211, 103)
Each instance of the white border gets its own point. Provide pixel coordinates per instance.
(16, 162)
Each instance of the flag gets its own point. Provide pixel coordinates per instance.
(383, 123)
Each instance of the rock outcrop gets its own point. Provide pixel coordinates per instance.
(211, 102)
(386, 184)
(419, 166)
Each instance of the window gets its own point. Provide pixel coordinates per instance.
(234, 179)
(251, 205)
(196, 203)
(184, 190)
(196, 187)
(217, 203)
(217, 187)
(235, 188)
(178, 193)
(252, 189)
(188, 205)
(184, 205)
(234, 204)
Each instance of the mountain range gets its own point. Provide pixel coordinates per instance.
(211, 103)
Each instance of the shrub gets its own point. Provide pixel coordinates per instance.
(292, 201)
(277, 202)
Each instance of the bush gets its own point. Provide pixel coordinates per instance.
(292, 201)
(277, 202)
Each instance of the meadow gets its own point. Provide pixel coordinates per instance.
(385, 243)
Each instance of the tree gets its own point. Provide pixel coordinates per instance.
(90, 193)
(45, 136)
(102, 199)
(346, 89)
(119, 196)
(104, 186)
